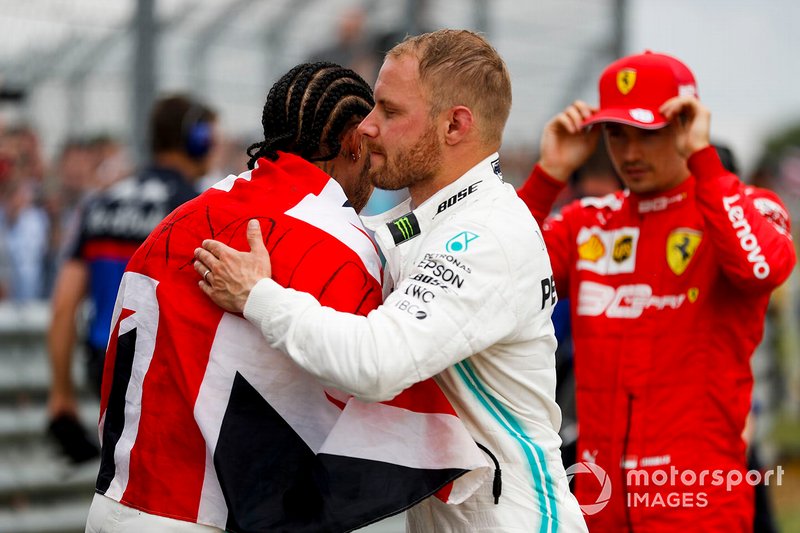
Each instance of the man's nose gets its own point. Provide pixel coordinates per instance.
(367, 127)
(632, 151)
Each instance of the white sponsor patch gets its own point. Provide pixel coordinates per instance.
(607, 252)
(775, 213)
(642, 115)
(626, 301)
(687, 90)
(747, 240)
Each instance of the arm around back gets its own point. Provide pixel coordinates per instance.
(421, 329)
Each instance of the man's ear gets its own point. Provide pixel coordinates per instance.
(460, 123)
(351, 143)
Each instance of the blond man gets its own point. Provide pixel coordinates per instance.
(468, 286)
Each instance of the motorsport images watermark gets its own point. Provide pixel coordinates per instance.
(674, 478)
(605, 485)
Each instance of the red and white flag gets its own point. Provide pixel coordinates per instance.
(202, 421)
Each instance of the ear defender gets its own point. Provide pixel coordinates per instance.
(196, 134)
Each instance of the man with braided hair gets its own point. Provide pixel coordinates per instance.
(465, 261)
(204, 427)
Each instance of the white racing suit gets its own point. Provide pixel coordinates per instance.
(468, 294)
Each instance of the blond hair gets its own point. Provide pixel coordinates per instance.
(460, 67)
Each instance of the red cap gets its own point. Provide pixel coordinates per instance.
(634, 87)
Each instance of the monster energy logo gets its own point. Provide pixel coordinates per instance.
(404, 228)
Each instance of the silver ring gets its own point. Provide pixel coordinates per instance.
(205, 276)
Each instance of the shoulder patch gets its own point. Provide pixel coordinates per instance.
(496, 168)
(774, 212)
(611, 201)
(404, 228)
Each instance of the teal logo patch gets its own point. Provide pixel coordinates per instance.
(460, 242)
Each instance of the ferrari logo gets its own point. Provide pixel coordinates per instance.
(682, 243)
(626, 79)
(693, 293)
(591, 250)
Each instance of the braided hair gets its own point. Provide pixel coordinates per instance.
(307, 111)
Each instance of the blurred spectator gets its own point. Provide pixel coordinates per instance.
(63, 190)
(73, 172)
(111, 161)
(113, 223)
(84, 165)
(24, 226)
(23, 223)
(28, 163)
(352, 48)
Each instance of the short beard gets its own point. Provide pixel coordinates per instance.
(419, 163)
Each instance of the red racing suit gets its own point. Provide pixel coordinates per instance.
(668, 295)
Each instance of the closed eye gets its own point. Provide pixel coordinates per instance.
(386, 108)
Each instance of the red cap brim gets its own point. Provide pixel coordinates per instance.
(640, 118)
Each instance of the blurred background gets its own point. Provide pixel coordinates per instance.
(78, 77)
